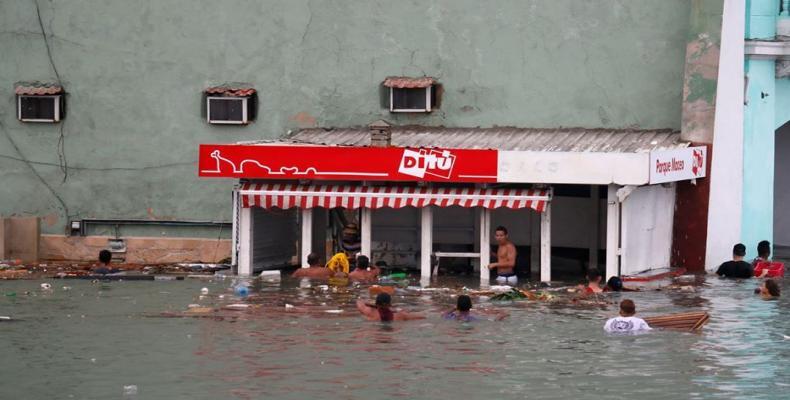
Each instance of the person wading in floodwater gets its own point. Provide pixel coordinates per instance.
(506, 258)
(382, 311)
(315, 270)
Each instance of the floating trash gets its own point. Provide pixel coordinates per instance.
(46, 286)
(204, 291)
(241, 290)
(270, 276)
(129, 390)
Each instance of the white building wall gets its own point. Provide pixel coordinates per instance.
(726, 185)
(646, 236)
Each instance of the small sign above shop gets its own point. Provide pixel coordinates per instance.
(678, 164)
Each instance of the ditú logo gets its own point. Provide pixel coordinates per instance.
(698, 161)
(437, 163)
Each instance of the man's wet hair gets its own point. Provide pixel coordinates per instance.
(627, 307)
(363, 262)
(312, 259)
(593, 274)
(772, 287)
(383, 299)
(764, 248)
(739, 250)
(464, 303)
(105, 256)
(501, 229)
(615, 284)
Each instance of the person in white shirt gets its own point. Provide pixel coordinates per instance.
(626, 322)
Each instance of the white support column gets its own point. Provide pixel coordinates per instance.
(534, 243)
(595, 205)
(245, 242)
(545, 244)
(426, 244)
(612, 233)
(476, 234)
(234, 239)
(366, 220)
(485, 245)
(306, 244)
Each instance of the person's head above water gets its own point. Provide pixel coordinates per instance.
(593, 275)
(105, 257)
(383, 303)
(615, 284)
(383, 300)
(738, 251)
(627, 308)
(500, 234)
(771, 288)
(363, 262)
(313, 260)
(764, 249)
(464, 303)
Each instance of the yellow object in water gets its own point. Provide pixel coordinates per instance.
(338, 262)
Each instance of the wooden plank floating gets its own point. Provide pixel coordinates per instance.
(693, 321)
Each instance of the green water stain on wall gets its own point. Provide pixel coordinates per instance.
(701, 88)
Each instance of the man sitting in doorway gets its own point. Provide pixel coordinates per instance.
(506, 258)
(315, 269)
(363, 271)
(737, 268)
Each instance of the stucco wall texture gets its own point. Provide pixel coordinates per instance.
(134, 72)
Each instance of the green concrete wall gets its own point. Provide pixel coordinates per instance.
(701, 70)
(135, 70)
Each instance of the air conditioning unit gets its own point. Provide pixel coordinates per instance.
(39, 108)
(227, 110)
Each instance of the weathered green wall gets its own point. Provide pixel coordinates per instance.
(134, 71)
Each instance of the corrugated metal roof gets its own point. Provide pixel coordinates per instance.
(37, 88)
(405, 82)
(231, 90)
(521, 139)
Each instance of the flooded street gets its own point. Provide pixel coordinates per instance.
(108, 340)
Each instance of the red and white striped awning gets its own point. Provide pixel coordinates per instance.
(271, 195)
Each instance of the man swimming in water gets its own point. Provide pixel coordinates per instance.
(382, 311)
(315, 270)
(105, 257)
(462, 311)
(506, 258)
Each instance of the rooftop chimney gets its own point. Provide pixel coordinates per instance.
(380, 134)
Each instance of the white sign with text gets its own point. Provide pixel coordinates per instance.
(677, 164)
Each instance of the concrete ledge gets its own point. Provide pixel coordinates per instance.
(767, 49)
(139, 250)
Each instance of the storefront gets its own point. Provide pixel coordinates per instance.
(456, 174)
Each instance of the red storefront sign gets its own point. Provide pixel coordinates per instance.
(347, 163)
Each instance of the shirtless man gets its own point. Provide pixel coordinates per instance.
(315, 270)
(364, 272)
(506, 258)
(382, 310)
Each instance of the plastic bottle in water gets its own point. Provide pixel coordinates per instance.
(241, 290)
